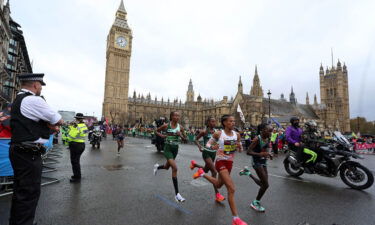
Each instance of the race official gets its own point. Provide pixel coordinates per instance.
(32, 122)
(76, 136)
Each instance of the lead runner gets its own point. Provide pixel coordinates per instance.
(226, 142)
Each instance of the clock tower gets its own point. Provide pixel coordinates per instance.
(119, 46)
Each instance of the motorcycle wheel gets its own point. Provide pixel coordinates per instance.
(93, 145)
(98, 145)
(353, 175)
(292, 170)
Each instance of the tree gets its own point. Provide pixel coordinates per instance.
(361, 124)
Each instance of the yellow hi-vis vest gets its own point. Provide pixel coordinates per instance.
(78, 133)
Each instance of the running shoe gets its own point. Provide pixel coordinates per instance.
(219, 197)
(198, 174)
(156, 168)
(256, 206)
(192, 164)
(179, 198)
(245, 171)
(238, 221)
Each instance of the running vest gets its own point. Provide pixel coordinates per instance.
(206, 138)
(258, 149)
(227, 146)
(172, 137)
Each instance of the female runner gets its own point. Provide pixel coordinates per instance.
(175, 133)
(226, 142)
(259, 151)
(208, 155)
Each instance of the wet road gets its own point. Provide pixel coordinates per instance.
(123, 190)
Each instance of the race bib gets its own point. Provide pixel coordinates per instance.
(230, 146)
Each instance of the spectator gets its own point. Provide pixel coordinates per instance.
(5, 131)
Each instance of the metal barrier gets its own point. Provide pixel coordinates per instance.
(6, 170)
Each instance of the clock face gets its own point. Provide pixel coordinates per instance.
(121, 41)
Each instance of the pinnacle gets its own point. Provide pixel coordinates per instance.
(121, 8)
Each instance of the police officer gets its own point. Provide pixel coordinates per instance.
(77, 135)
(32, 120)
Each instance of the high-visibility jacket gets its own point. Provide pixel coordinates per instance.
(274, 137)
(78, 133)
(247, 135)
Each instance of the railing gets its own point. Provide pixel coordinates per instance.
(6, 170)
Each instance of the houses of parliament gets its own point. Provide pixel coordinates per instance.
(332, 113)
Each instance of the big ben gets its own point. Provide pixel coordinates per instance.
(119, 47)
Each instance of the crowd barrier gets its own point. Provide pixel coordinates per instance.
(6, 170)
(364, 148)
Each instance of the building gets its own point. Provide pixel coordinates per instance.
(332, 113)
(14, 56)
(119, 45)
(5, 36)
(18, 61)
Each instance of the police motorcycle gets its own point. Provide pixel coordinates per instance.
(96, 137)
(336, 159)
(156, 140)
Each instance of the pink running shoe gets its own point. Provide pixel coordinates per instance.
(219, 197)
(238, 221)
(198, 174)
(192, 164)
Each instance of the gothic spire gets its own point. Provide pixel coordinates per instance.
(256, 77)
(121, 8)
(121, 20)
(315, 100)
(240, 86)
(190, 88)
(307, 98)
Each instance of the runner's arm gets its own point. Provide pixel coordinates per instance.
(161, 128)
(212, 143)
(239, 144)
(201, 134)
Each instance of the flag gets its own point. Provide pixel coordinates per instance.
(276, 122)
(241, 114)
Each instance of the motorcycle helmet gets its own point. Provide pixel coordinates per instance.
(311, 126)
(293, 118)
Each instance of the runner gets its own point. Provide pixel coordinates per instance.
(120, 139)
(207, 154)
(259, 151)
(172, 139)
(226, 142)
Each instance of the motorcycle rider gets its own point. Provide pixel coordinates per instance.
(294, 135)
(310, 140)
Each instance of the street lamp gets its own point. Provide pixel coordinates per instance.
(269, 105)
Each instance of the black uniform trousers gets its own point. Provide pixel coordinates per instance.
(76, 150)
(27, 167)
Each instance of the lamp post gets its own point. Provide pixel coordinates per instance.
(269, 106)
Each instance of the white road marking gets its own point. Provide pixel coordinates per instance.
(278, 176)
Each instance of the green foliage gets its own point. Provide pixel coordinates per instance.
(364, 126)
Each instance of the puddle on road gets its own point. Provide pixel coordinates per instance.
(117, 167)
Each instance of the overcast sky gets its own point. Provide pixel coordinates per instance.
(212, 42)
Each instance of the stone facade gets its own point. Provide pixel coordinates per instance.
(14, 56)
(5, 36)
(334, 95)
(332, 113)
